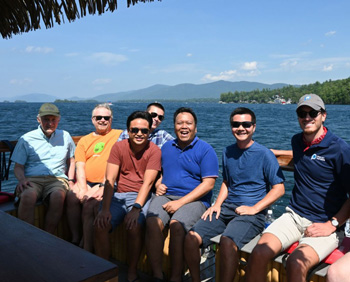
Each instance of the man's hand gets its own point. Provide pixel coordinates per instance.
(209, 212)
(161, 189)
(103, 219)
(320, 229)
(22, 185)
(131, 218)
(245, 210)
(172, 206)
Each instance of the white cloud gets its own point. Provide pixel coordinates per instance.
(289, 63)
(100, 81)
(33, 49)
(250, 66)
(231, 75)
(108, 58)
(189, 55)
(225, 75)
(20, 81)
(330, 33)
(328, 68)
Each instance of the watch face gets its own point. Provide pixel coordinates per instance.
(335, 222)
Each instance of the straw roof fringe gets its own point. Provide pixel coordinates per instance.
(17, 16)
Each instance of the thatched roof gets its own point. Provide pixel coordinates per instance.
(17, 16)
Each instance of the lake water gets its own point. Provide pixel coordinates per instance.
(276, 124)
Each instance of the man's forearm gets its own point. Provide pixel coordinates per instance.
(202, 189)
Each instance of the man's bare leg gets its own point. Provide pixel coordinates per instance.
(26, 207)
(74, 216)
(339, 271)
(88, 216)
(300, 261)
(155, 245)
(101, 242)
(134, 247)
(266, 249)
(228, 259)
(55, 210)
(192, 254)
(176, 250)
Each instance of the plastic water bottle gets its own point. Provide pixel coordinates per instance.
(347, 228)
(269, 218)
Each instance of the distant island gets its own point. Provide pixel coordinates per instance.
(332, 92)
(64, 101)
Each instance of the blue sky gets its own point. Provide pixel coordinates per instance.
(181, 41)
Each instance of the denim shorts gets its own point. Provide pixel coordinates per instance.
(122, 203)
(241, 229)
(187, 215)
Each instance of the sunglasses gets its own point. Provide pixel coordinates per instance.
(136, 130)
(312, 113)
(245, 124)
(154, 115)
(102, 117)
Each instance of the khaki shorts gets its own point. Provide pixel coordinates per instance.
(45, 185)
(289, 228)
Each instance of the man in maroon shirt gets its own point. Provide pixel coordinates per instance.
(134, 164)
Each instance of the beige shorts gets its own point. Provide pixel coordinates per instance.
(45, 185)
(290, 227)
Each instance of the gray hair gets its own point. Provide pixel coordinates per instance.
(103, 105)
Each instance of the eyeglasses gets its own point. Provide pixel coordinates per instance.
(312, 113)
(102, 117)
(154, 115)
(136, 130)
(245, 124)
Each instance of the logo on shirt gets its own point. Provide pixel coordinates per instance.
(99, 147)
(315, 157)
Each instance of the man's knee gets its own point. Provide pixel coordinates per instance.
(72, 198)
(176, 229)
(154, 223)
(89, 207)
(302, 259)
(227, 245)
(28, 198)
(57, 196)
(263, 252)
(193, 240)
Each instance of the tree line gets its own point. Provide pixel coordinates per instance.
(332, 92)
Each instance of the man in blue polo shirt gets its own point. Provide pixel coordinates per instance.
(319, 204)
(44, 157)
(249, 171)
(183, 193)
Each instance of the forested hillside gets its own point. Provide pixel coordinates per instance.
(332, 92)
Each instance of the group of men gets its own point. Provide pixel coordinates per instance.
(150, 180)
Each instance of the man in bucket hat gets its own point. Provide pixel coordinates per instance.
(44, 167)
(319, 204)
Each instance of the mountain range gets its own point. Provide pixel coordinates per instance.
(184, 91)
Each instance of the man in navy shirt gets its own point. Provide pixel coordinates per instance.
(249, 169)
(183, 193)
(319, 202)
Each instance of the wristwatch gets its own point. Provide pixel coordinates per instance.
(137, 206)
(335, 222)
